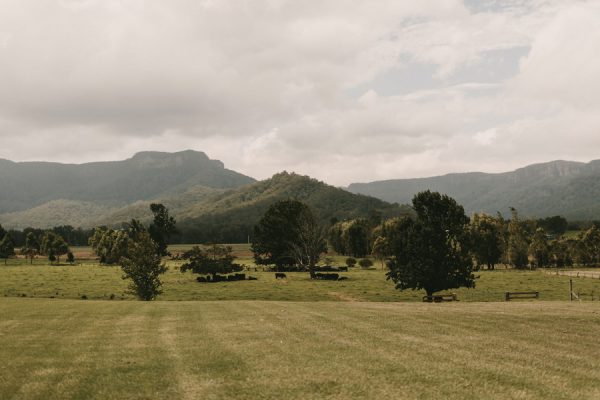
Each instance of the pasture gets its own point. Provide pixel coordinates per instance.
(104, 283)
(67, 349)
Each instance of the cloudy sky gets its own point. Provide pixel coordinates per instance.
(342, 90)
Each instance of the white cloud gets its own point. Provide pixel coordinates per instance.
(264, 85)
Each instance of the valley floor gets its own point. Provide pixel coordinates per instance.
(72, 349)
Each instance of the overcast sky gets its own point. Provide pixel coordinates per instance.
(342, 90)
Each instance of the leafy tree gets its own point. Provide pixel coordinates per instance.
(556, 225)
(70, 258)
(365, 263)
(350, 262)
(277, 232)
(31, 247)
(539, 250)
(591, 244)
(210, 261)
(381, 249)
(2, 232)
(7, 248)
(54, 246)
(356, 238)
(486, 239)
(432, 252)
(517, 246)
(561, 253)
(143, 267)
(309, 243)
(161, 228)
(110, 245)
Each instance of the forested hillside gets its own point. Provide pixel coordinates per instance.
(145, 176)
(571, 189)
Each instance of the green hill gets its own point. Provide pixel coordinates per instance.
(570, 189)
(145, 176)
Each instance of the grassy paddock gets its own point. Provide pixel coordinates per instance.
(103, 282)
(68, 349)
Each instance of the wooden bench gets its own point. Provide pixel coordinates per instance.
(521, 295)
(438, 298)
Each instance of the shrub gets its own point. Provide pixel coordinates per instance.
(351, 262)
(365, 263)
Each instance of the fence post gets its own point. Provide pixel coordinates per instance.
(570, 289)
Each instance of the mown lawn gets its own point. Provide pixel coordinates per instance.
(67, 349)
(103, 282)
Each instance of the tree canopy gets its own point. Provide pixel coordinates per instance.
(213, 260)
(431, 252)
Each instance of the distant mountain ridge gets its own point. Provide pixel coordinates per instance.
(567, 188)
(145, 176)
(200, 193)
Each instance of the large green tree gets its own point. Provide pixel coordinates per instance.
(539, 249)
(212, 260)
(518, 244)
(487, 242)
(431, 252)
(7, 248)
(284, 226)
(161, 228)
(53, 246)
(143, 266)
(31, 247)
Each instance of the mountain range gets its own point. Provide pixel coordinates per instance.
(570, 189)
(202, 194)
(198, 191)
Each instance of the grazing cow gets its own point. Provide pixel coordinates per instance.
(343, 269)
(280, 275)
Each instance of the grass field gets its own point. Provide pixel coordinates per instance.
(103, 282)
(66, 349)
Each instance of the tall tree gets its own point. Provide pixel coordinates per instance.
(7, 248)
(486, 239)
(518, 245)
(432, 251)
(31, 247)
(539, 249)
(53, 246)
(161, 228)
(210, 261)
(277, 231)
(309, 243)
(143, 267)
(381, 249)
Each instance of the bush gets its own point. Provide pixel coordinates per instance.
(351, 262)
(365, 263)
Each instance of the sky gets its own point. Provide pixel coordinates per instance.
(341, 90)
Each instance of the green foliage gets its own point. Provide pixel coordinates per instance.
(143, 267)
(161, 228)
(381, 249)
(110, 245)
(53, 246)
(70, 258)
(281, 229)
(518, 244)
(431, 252)
(7, 247)
(31, 247)
(365, 263)
(539, 249)
(555, 225)
(487, 243)
(213, 260)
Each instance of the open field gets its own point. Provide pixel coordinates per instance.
(103, 282)
(70, 349)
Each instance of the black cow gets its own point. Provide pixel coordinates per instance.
(280, 275)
